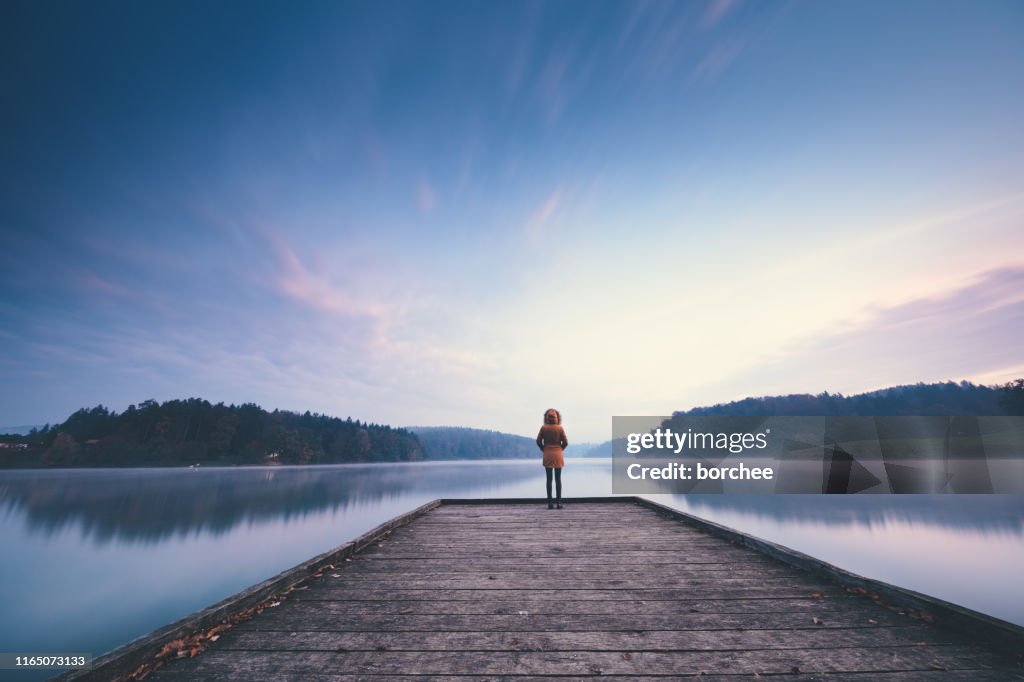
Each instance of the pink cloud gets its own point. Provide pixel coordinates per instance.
(316, 288)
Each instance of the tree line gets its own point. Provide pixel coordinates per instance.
(939, 399)
(185, 432)
(458, 442)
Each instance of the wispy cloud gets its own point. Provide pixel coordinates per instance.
(317, 288)
(542, 216)
(716, 10)
(92, 282)
(721, 55)
(553, 86)
(396, 342)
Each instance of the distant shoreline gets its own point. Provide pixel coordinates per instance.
(271, 467)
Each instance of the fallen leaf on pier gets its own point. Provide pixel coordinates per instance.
(627, 656)
(816, 595)
(817, 621)
(872, 621)
(173, 645)
(335, 575)
(273, 604)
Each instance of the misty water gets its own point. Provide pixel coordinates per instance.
(94, 558)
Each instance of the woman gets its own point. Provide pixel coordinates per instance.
(552, 441)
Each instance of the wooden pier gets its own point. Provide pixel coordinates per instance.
(617, 588)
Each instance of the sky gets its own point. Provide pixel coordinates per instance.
(463, 213)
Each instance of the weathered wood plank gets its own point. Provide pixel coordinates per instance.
(548, 553)
(246, 665)
(632, 558)
(336, 616)
(387, 593)
(565, 539)
(442, 563)
(522, 552)
(485, 606)
(653, 640)
(612, 522)
(506, 581)
(567, 536)
(609, 537)
(460, 568)
(912, 676)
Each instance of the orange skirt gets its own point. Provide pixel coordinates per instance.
(553, 457)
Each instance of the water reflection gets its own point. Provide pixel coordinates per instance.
(976, 513)
(150, 505)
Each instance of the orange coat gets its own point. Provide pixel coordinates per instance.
(552, 441)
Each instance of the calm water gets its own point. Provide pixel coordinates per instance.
(94, 558)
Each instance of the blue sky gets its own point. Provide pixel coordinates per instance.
(465, 212)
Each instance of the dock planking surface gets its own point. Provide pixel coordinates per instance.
(520, 592)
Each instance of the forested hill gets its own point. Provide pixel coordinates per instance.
(456, 442)
(943, 399)
(184, 432)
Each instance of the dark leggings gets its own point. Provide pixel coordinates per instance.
(558, 481)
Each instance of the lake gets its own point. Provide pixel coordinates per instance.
(94, 558)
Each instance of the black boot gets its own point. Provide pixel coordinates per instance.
(551, 506)
(559, 504)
